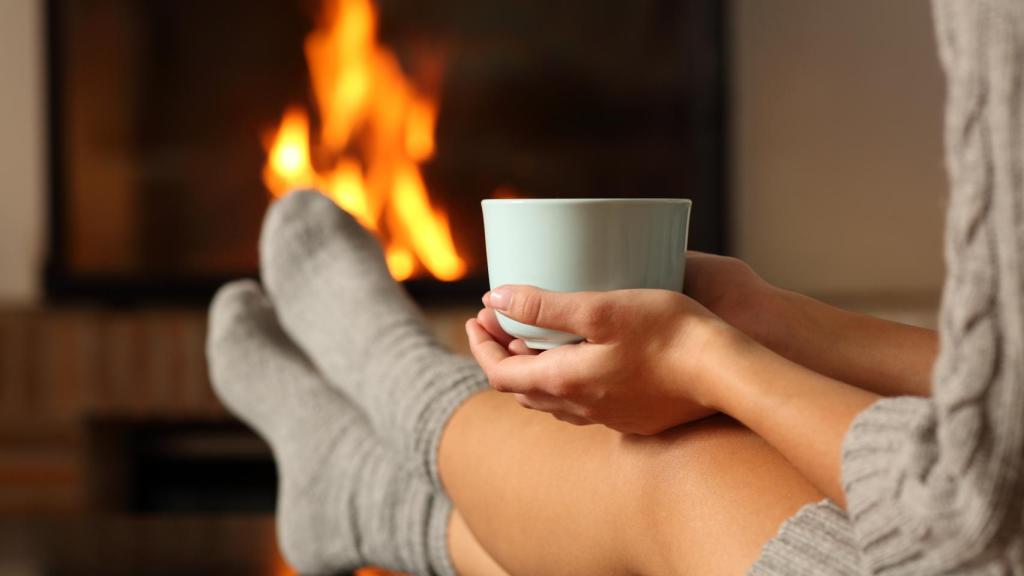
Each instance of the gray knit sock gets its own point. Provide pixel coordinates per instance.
(335, 298)
(342, 502)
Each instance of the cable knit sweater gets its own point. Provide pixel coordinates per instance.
(936, 485)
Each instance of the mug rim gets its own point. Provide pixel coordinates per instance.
(586, 200)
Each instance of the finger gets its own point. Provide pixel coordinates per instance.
(697, 260)
(571, 419)
(532, 402)
(544, 402)
(519, 348)
(549, 373)
(522, 374)
(487, 351)
(582, 313)
(558, 408)
(489, 321)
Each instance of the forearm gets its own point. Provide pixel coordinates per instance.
(887, 358)
(801, 413)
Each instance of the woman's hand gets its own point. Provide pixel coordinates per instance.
(640, 370)
(731, 289)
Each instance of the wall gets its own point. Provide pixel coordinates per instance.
(22, 185)
(839, 181)
(838, 174)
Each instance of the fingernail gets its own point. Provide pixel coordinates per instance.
(485, 297)
(500, 298)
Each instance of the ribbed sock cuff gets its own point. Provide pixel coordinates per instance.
(437, 537)
(466, 380)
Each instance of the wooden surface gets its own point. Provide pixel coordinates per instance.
(64, 370)
(115, 545)
(60, 370)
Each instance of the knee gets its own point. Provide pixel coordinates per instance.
(706, 486)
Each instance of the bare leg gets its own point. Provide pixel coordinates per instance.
(540, 496)
(544, 497)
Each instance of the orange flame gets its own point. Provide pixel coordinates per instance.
(288, 163)
(376, 128)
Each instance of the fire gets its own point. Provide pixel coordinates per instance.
(375, 130)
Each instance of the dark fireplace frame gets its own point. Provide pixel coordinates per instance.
(64, 287)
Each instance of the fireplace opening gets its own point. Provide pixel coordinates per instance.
(174, 122)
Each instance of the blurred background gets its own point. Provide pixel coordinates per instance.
(140, 143)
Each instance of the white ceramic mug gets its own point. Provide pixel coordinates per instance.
(584, 244)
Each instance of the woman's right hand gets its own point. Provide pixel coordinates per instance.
(647, 362)
(726, 286)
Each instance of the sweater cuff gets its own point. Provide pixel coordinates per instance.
(885, 446)
(816, 541)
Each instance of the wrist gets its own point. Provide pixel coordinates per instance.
(738, 375)
(772, 322)
(722, 346)
(756, 309)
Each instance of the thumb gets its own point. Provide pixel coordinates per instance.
(581, 313)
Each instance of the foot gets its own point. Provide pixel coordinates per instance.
(335, 298)
(342, 501)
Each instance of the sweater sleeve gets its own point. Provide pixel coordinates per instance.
(936, 484)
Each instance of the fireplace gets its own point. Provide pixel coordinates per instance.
(172, 125)
(165, 117)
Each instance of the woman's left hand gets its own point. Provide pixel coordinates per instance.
(641, 369)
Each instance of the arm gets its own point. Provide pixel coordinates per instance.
(887, 358)
(928, 482)
(654, 359)
(803, 414)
